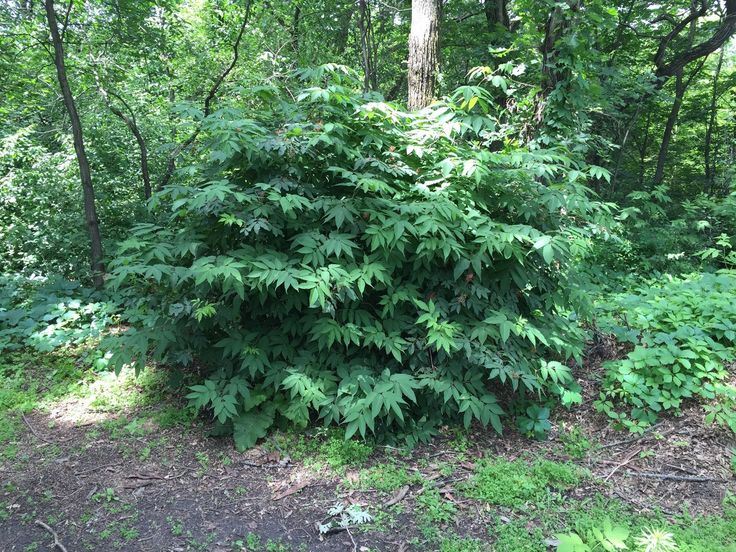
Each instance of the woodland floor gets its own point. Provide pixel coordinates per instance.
(119, 466)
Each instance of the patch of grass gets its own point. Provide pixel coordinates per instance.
(513, 484)
(338, 452)
(516, 537)
(456, 544)
(172, 416)
(386, 478)
(433, 509)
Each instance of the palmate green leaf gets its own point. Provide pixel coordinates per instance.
(571, 542)
(251, 426)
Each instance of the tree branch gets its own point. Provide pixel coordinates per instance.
(724, 31)
(171, 163)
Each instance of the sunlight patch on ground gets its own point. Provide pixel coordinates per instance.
(104, 398)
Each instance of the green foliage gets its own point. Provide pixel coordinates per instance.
(434, 509)
(535, 422)
(456, 544)
(46, 314)
(386, 478)
(608, 537)
(515, 483)
(344, 261)
(660, 233)
(575, 443)
(340, 452)
(683, 332)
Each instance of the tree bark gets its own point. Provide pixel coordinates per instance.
(643, 147)
(423, 52)
(681, 86)
(88, 192)
(719, 37)
(370, 81)
(497, 13)
(710, 162)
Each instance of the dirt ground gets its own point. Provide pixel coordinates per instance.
(119, 481)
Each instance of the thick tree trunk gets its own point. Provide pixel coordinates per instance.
(423, 52)
(710, 163)
(88, 192)
(497, 13)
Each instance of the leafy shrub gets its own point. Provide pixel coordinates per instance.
(659, 233)
(339, 452)
(386, 478)
(341, 260)
(683, 331)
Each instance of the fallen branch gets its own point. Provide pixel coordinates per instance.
(631, 439)
(355, 546)
(34, 431)
(672, 476)
(57, 542)
(627, 460)
(90, 470)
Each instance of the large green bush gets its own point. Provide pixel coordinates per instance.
(341, 260)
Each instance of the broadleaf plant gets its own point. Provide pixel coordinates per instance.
(349, 263)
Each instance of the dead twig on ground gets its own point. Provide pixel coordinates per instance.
(672, 476)
(25, 420)
(627, 460)
(90, 470)
(57, 542)
(631, 439)
(355, 546)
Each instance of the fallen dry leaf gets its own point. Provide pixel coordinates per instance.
(398, 497)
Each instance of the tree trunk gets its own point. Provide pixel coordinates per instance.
(366, 45)
(710, 162)
(423, 52)
(497, 13)
(90, 211)
(643, 150)
(669, 127)
(132, 124)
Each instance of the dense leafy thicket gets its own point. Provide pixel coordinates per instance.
(45, 314)
(340, 259)
(675, 235)
(683, 332)
(43, 231)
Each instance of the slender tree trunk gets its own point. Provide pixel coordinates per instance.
(364, 25)
(643, 150)
(681, 86)
(296, 19)
(423, 52)
(132, 124)
(90, 211)
(669, 128)
(710, 161)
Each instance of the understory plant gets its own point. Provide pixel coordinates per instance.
(683, 333)
(334, 258)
